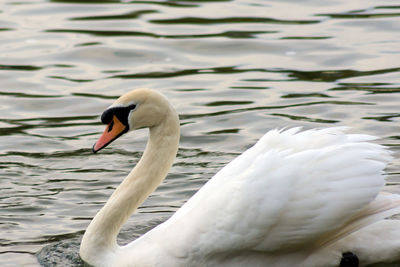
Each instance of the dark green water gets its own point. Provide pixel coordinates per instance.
(233, 69)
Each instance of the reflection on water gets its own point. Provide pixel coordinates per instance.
(233, 69)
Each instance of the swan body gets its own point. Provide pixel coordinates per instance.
(296, 198)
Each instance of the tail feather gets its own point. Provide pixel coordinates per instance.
(385, 205)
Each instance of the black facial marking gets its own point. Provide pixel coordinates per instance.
(349, 260)
(120, 112)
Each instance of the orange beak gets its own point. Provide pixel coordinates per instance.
(113, 130)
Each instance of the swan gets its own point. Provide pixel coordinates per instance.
(296, 198)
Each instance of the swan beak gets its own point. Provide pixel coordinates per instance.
(113, 130)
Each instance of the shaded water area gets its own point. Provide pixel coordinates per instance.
(233, 69)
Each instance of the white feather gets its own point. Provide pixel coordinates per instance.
(296, 198)
(288, 193)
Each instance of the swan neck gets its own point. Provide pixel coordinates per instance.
(152, 168)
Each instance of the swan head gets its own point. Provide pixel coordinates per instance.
(139, 108)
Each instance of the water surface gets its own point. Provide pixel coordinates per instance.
(233, 69)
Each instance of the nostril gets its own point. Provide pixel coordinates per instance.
(110, 126)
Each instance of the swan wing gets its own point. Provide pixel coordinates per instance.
(288, 190)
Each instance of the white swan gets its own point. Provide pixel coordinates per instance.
(309, 198)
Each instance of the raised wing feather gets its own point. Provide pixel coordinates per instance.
(286, 191)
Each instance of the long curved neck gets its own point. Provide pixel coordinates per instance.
(149, 172)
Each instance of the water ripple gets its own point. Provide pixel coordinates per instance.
(229, 20)
(130, 15)
(232, 69)
(227, 34)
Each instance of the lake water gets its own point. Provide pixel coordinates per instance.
(233, 70)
